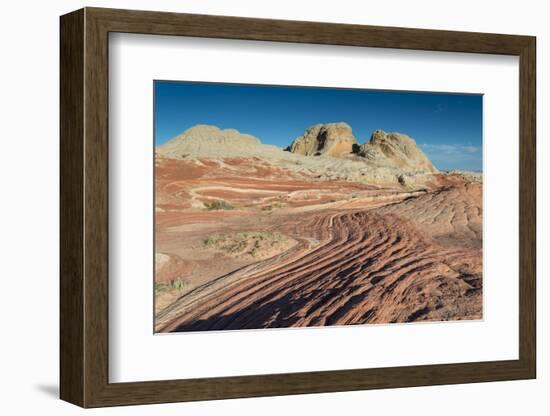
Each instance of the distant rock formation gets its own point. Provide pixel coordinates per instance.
(326, 151)
(396, 150)
(211, 141)
(388, 150)
(333, 139)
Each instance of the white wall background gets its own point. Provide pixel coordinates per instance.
(29, 209)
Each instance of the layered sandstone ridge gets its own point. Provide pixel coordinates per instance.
(250, 236)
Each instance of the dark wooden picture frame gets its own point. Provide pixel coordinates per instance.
(84, 207)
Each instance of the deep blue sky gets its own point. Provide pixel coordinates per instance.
(448, 127)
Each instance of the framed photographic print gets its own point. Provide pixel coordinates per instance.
(255, 207)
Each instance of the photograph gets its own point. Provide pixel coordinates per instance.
(290, 206)
(278, 202)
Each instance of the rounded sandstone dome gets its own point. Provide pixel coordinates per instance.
(209, 140)
(332, 139)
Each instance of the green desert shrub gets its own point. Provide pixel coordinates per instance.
(249, 243)
(273, 206)
(218, 205)
(170, 286)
